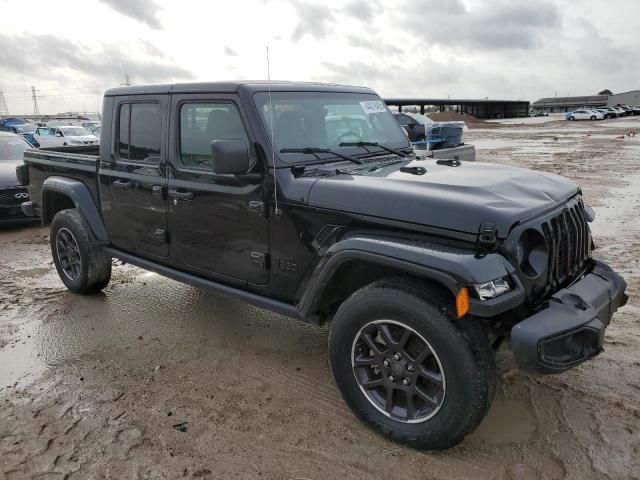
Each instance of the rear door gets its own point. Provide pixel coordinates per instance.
(217, 226)
(136, 211)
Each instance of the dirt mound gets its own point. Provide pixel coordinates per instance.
(470, 120)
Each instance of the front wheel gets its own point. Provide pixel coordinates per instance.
(593, 117)
(407, 368)
(82, 264)
(572, 118)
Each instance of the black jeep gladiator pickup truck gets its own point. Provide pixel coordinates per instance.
(306, 199)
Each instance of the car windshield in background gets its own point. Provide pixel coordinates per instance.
(419, 118)
(12, 147)
(75, 131)
(27, 128)
(326, 120)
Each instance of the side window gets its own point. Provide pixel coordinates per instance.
(200, 124)
(139, 132)
(123, 131)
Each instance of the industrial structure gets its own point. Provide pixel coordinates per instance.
(568, 104)
(480, 108)
(625, 98)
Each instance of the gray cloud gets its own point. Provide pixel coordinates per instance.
(373, 44)
(313, 19)
(358, 71)
(144, 11)
(106, 65)
(492, 24)
(230, 51)
(364, 10)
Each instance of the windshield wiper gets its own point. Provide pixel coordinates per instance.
(314, 150)
(374, 144)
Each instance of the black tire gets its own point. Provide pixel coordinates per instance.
(460, 347)
(593, 117)
(572, 118)
(92, 267)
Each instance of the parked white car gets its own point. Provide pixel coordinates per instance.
(64, 135)
(584, 115)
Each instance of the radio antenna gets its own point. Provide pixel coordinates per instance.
(276, 212)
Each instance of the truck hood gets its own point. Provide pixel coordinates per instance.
(8, 176)
(459, 198)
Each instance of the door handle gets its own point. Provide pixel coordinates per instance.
(125, 185)
(181, 195)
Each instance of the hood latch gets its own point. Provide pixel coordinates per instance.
(488, 236)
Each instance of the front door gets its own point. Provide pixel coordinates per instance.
(135, 211)
(217, 225)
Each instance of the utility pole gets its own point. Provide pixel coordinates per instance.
(4, 110)
(36, 110)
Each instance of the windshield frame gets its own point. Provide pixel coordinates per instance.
(291, 159)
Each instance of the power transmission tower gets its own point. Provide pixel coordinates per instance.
(36, 110)
(4, 110)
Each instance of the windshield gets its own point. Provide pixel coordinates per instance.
(421, 119)
(325, 120)
(12, 147)
(75, 131)
(25, 128)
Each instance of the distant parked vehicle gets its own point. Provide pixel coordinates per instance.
(26, 131)
(91, 126)
(606, 113)
(613, 113)
(621, 111)
(12, 194)
(413, 124)
(584, 115)
(64, 135)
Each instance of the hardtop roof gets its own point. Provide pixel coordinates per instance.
(235, 86)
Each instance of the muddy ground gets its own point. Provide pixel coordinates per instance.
(154, 379)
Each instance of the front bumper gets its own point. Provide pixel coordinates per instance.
(570, 329)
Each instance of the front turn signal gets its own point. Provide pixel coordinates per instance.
(462, 302)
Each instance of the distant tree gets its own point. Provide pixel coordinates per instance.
(606, 91)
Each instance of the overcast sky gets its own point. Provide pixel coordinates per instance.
(72, 50)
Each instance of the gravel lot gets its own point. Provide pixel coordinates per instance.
(154, 379)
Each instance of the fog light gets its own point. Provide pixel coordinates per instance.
(492, 289)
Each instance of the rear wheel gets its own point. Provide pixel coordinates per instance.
(82, 264)
(593, 117)
(407, 368)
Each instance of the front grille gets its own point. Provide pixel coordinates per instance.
(569, 242)
(13, 195)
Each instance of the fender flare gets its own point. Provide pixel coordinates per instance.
(81, 197)
(452, 267)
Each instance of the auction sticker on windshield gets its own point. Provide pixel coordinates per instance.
(373, 106)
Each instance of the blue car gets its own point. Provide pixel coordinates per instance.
(26, 131)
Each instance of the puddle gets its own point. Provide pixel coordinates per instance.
(153, 307)
(508, 421)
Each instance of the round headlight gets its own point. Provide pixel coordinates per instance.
(532, 253)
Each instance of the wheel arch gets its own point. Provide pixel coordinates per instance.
(357, 261)
(60, 193)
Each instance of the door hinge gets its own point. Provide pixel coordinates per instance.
(260, 259)
(256, 206)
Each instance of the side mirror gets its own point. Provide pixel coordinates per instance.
(58, 134)
(413, 125)
(230, 157)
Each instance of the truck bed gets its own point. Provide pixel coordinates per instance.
(77, 162)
